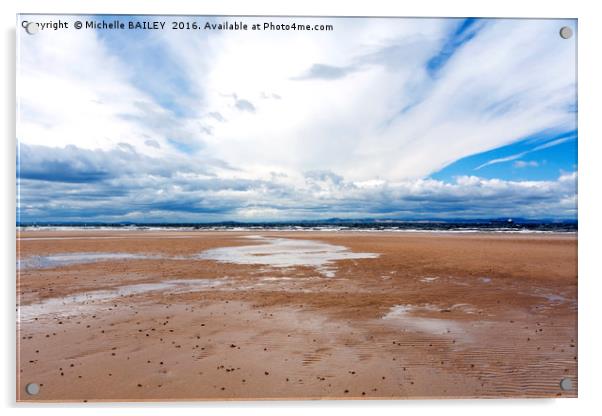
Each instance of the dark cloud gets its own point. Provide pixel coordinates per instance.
(74, 164)
(41, 163)
(74, 184)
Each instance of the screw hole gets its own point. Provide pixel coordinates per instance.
(566, 384)
(32, 28)
(566, 32)
(32, 389)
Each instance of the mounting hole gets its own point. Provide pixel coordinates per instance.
(32, 28)
(566, 32)
(32, 389)
(566, 384)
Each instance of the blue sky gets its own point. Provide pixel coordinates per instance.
(540, 157)
(384, 118)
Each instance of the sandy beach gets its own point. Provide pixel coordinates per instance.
(174, 315)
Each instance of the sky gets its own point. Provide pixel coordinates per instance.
(379, 118)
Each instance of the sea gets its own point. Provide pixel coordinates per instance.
(460, 226)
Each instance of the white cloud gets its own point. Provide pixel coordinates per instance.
(73, 90)
(291, 123)
(526, 164)
(514, 79)
(502, 160)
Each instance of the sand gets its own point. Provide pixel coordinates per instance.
(145, 315)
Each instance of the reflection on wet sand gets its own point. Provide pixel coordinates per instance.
(286, 252)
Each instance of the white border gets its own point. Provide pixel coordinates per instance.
(590, 212)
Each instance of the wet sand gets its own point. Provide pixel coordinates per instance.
(129, 316)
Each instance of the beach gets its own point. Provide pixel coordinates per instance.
(159, 315)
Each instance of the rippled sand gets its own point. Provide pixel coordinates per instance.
(223, 315)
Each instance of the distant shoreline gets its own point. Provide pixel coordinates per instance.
(522, 226)
(540, 229)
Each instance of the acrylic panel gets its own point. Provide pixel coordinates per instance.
(256, 207)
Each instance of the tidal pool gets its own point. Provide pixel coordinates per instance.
(72, 305)
(66, 259)
(285, 252)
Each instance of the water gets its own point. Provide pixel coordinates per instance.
(65, 259)
(335, 225)
(73, 305)
(408, 316)
(285, 252)
(274, 252)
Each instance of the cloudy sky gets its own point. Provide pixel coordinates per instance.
(382, 118)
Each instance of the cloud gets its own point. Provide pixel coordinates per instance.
(74, 164)
(501, 160)
(359, 118)
(464, 32)
(384, 108)
(216, 115)
(244, 105)
(551, 143)
(117, 185)
(321, 71)
(152, 143)
(525, 164)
